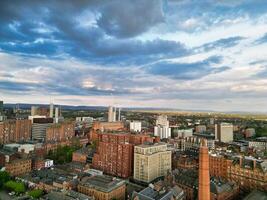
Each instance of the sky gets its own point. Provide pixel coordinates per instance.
(181, 54)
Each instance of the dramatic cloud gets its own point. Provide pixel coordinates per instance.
(163, 53)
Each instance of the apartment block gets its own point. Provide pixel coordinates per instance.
(151, 161)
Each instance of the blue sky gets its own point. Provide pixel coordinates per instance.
(184, 54)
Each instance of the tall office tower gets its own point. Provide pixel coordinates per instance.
(51, 110)
(114, 114)
(34, 110)
(151, 161)
(224, 132)
(110, 114)
(203, 172)
(119, 117)
(1, 107)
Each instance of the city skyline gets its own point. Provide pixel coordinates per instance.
(181, 54)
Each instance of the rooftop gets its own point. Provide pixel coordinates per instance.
(102, 183)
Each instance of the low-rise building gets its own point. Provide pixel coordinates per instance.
(18, 166)
(103, 187)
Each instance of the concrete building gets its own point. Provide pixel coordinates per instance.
(224, 132)
(162, 120)
(135, 126)
(162, 131)
(103, 187)
(110, 114)
(151, 161)
(200, 128)
(39, 130)
(185, 132)
(203, 172)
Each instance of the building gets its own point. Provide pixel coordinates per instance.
(114, 156)
(249, 132)
(224, 132)
(60, 132)
(162, 120)
(135, 126)
(111, 114)
(249, 173)
(1, 108)
(102, 187)
(255, 194)
(185, 133)
(81, 155)
(66, 195)
(162, 131)
(15, 131)
(219, 165)
(154, 193)
(18, 166)
(203, 172)
(200, 128)
(151, 161)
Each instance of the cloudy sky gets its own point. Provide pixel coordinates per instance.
(183, 54)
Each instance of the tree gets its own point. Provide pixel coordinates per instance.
(37, 193)
(4, 177)
(17, 187)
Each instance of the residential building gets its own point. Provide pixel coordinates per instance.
(60, 132)
(151, 161)
(15, 131)
(18, 166)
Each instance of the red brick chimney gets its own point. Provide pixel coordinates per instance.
(203, 172)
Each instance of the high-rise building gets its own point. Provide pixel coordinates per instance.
(51, 114)
(1, 107)
(135, 126)
(224, 132)
(162, 131)
(110, 114)
(203, 172)
(151, 161)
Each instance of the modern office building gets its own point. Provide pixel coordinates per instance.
(224, 132)
(1, 107)
(151, 161)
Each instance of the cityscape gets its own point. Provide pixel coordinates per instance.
(133, 100)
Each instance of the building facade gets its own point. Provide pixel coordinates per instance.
(151, 162)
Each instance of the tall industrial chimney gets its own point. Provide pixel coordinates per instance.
(203, 172)
(51, 114)
(110, 114)
(56, 114)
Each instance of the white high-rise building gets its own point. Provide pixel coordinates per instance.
(135, 126)
(162, 131)
(110, 114)
(51, 114)
(224, 132)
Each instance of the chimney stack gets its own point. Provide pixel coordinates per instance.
(204, 175)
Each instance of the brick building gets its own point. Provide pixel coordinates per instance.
(80, 155)
(60, 132)
(19, 166)
(115, 153)
(103, 187)
(219, 165)
(15, 131)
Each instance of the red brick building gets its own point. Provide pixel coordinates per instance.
(60, 132)
(15, 131)
(115, 153)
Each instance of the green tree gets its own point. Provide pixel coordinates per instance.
(17, 187)
(36, 193)
(4, 177)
